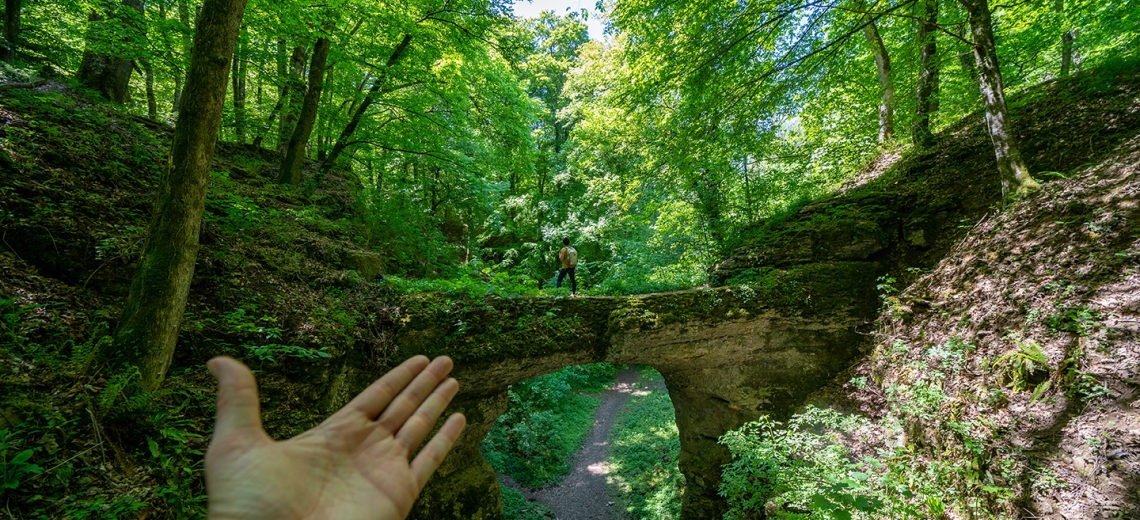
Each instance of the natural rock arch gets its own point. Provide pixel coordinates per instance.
(728, 356)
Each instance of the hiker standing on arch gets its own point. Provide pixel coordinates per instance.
(569, 258)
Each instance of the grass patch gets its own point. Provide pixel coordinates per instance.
(549, 418)
(646, 447)
(516, 507)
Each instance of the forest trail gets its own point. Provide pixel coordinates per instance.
(584, 493)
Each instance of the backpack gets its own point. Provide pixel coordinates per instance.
(571, 256)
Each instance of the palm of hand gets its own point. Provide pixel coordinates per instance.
(348, 467)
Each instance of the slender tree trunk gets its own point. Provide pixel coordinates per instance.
(155, 304)
(926, 90)
(1066, 52)
(322, 129)
(151, 105)
(239, 93)
(377, 87)
(177, 91)
(180, 71)
(883, 65)
(103, 69)
(294, 97)
(1066, 43)
(1015, 176)
(295, 153)
(709, 199)
(11, 28)
(282, 70)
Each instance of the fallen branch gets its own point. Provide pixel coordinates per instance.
(33, 84)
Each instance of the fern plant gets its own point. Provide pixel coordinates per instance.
(1024, 367)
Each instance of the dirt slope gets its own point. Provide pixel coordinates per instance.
(1022, 349)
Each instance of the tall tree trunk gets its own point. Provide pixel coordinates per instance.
(151, 105)
(1066, 52)
(322, 129)
(295, 153)
(294, 97)
(1066, 43)
(155, 304)
(926, 90)
(177, 91)
(239, 93)
(709, 199)
(377, 86)
(883, 65)
(187, 44)
(11, 28)
(1015, 176)
(282, 70)
(103, 69)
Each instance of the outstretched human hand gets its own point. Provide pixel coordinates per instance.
(355, 464)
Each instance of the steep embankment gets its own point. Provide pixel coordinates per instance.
(281, 279)
(1014, 359)
(1030, 328)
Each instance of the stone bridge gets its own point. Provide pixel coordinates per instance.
(728, 356)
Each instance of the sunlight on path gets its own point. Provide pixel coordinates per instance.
(584, 494)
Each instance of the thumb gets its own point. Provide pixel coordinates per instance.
(239, 411)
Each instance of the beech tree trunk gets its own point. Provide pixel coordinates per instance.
(177, 91)
(155, 304)
(883, 64)
(239, 93)
(1066, 43)
(282, 70)
(102, 70)
(1066, 52)
(295, 153)
(151, 105)
(187, 44)
(926, 89)
(294, 96)
(377, 86)
(11, 28)
(1015, 178)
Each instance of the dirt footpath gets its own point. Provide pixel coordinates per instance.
(584, 494)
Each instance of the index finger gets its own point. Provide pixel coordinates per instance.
(380, 393)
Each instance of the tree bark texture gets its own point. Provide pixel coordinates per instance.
(155, 304)
(11, 28)
(177, 91)
(1015, 176)
(1066, 53)
(926, 89)
(1066, 43)
(883, 65)
(151, 105)
(101, 69)
(239, 93)
(294, 97)
(282, 70)
(377, 85)
(295, 153)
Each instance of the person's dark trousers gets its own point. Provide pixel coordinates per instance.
(573, 283)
